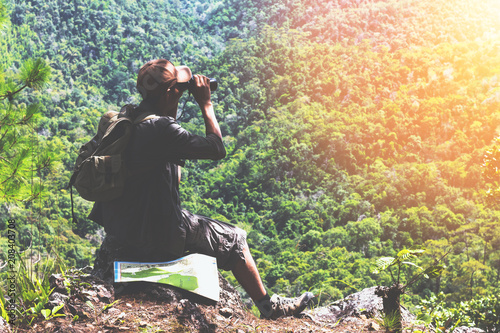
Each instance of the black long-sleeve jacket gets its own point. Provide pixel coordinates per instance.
(148, 217)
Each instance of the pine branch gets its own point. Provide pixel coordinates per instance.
(10, 94)
(45, 164)
(9, 144)
(35, 73)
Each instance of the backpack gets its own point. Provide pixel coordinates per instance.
(100, 171)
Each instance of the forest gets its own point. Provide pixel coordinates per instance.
(354, 129)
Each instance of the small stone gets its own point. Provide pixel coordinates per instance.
(114, 311)
(373, 326)
(4, 326)
(57, 298)
(226, 312)
(104, 293)
(57, 283)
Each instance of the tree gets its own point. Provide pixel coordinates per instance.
(491, 172)
(20, 160)
(391, 295)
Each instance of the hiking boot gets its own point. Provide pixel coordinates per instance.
(278, 306)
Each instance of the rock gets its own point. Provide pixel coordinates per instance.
(230, 298)
(57, 283)
(356, 305)
(76, 290)
(112, 250)
(464, 329)
(75, 283)
(4, 326)
(226, 312)
(104, 293)
(355, 308)
(57, 298)
(373, 326)
(86, 296)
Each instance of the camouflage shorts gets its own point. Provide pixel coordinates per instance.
(214, 238)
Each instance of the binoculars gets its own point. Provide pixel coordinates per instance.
(213, 84)
(190, 83)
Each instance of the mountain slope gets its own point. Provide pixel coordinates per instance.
(353, 128)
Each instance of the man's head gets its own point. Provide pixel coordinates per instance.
(158, 76)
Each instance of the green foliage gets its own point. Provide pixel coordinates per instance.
(32, 290)
(4, 18)
(390, 321)
(34, 73)
(21, 155)
(481, 312)
(3, 306)
(402, 259)
(52, 313)
(110, 305)
(391, 295)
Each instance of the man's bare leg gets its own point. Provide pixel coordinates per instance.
(248, 276)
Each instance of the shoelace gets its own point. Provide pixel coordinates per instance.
(284, 300)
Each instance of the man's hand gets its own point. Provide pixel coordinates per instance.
(201, 90)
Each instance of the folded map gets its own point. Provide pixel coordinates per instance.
(196, 273)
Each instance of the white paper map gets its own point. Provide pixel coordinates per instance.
(195, 272)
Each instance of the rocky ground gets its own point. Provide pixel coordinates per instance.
(91, 305)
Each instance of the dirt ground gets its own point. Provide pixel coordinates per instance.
(137, 314)
(93, 306)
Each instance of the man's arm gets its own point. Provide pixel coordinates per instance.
(201, 93)
(189, 146)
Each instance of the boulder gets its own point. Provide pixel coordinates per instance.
(363, 304)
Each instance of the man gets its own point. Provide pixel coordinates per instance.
(147, 223)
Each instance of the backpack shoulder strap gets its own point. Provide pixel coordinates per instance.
(145, 116)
